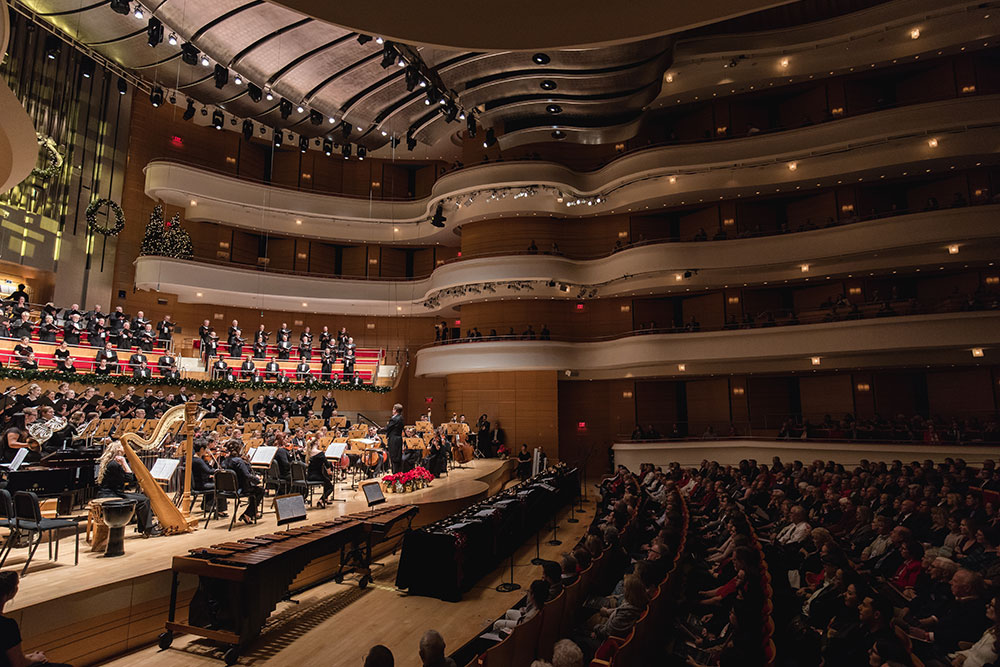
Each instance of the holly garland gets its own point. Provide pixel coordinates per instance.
(25, 375)
(113, 206)
(53, 159)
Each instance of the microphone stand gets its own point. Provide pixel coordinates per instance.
(508, 587)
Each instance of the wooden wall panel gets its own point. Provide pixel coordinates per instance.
(708, 310)
(770, 400)
(590, 237)
(708, 405)
(961, 393)
(898, 393)
(826, 395)
(656, 405)
(526, 403)
(813, 211)
(706, 219)
(602, 317)
(607, 410)
(392, 263)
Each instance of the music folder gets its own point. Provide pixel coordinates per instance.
(335, 451)
(263, 456)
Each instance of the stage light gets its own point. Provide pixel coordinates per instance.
(52, 47)
(299, 109)
(303, 144)
(438, 220)
(915, 33)
(205, 62)
(541, 59)
(122, 86)
(393, 141)
(255, 93)
(221, 76)
(411, 77)
(189, 112)
(138, 13)
(238, 80)
(154, 31)
(450, 111)
(87, 67)
(792, 166)
(346, 128)
(470, 125)
(285, 108)
(389, 56)
(364, 39)
(331, 120)
(121, 7)
(953, 249)
(379, 40)
(933, 143)
(327, 147)
(490, 138)
(172, 39)
(362, 152)
(815, 361)
(189, 53)
(248, 129)
(411, 143)
(346, 150)
(432, 96)
(977, 351)
(268, 95)
(156, 96)
(218, 119)
(315, 117)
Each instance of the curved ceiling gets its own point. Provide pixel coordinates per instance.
(525, 24)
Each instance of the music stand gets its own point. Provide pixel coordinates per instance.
(290, 508)
(373, 493)
(335, 452)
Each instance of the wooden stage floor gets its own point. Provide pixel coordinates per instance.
(105, 607)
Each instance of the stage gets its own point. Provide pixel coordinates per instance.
(106, 606)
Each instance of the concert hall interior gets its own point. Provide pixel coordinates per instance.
(567, 334)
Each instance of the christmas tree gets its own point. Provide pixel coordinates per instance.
(167, 239)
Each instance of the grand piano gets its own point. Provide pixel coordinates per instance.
(68, 474)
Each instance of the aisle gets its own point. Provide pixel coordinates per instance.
(334, 625)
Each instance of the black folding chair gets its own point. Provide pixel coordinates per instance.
(8, 522)
(28, 515)
(300, 480)
(228, 487)
(209, 505)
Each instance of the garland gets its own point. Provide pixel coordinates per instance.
(54, 159)
(125, 380)
(92, 225)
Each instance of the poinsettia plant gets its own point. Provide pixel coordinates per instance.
(417, 474)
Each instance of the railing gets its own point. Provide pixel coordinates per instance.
(792, 319)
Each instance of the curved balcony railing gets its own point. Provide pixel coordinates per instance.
(919, 239)
(916, 340)
(673, 175)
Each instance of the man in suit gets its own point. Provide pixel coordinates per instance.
(22, 326)
(328, 360)
(97, 332)
(137, 360)
(168, 366)
(248, 369)
(220, 370)
(117, 320)
(145, 338)
(272, 370)
(142, 372)
(302, 373)
(394, 438)
(165, 329)
(109, 355)
(284, 348)
(72, 330)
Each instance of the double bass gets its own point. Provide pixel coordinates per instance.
(461, 451)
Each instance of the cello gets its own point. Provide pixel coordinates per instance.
(461, 451)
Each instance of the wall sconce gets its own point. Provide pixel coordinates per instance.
(264, 261)
(682, 367)
(376, 184)
(373, 260)
(933, 143)
(733, 300)
(306, 177)
(217, 316)
(728, 222)
(863, 386)
(968, 89)
(626, 309)
(298, 221)
(804, 268)
(977, 352)
(784, 63)
(370, 326)
(297, 323)
(623, 235)
(792, 166)
(993, 280)
(739, 391)
(302, 255)
(837, 111)
(619, 147)
(915, 33)
(224, 244)
(953, 249)
(626, 394)
(222, 254)
(815, 360)
(979, 192)
(854, 291)
(439, 262)
(721, 129)
(230, 160)
(847, 208)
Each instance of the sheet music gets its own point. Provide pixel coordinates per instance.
(164, 469)
(263, 456)
(336, 450)
(22, 454)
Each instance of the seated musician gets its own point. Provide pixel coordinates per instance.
(113, 474)
(283, 457)
(436, 460)
(319, 471)
(411, 457)
(16, 437)
(246, 479)
(202, 471)
(11, 652)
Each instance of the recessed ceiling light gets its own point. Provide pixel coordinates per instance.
(541, 59)
(548, 84)
(554, 108)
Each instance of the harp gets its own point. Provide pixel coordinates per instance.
(172, 520)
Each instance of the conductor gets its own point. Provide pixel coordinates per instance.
(394, 438)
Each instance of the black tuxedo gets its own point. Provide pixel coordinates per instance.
(166, 364)
(142, 373)
(136, 360)
(394, 441)
(302, 371)
(248, 369)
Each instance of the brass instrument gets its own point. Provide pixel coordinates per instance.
(172, 520)
(41, 431)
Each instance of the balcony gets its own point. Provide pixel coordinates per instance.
(918, 340)
(966, 131)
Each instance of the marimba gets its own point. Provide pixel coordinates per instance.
(240, 583)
